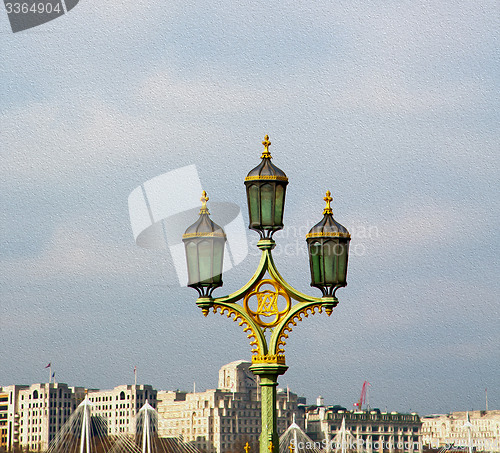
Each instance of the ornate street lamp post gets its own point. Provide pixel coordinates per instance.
(267, 299)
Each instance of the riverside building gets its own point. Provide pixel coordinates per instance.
(368, 430)
(32, 414)
(222, 420)
(444, 430)
(119, 406)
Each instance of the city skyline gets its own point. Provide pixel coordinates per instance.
(299, 392)
(392, 107)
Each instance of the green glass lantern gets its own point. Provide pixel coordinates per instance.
(204, 243)
(266, 187)
(328, 246)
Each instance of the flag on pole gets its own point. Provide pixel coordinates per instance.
(135, 375)
(53, 374)
(48, 366)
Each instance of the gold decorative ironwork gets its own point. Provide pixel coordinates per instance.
(267, 177)
(204, 198)
(269, 358)
(328, 199)
(266, 154)
(331, 234)
(242, 322)
(268, 313)
(218, 234)
(283, 335)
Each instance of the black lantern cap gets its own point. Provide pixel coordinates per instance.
(204, 226)
(266, 169)
(328, 227)
(266, 187)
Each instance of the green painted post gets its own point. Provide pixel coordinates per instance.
(268, 373)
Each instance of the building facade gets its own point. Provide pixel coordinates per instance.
(441, 431)
(224, 419)
(30, 416)
(118, 407)
(371, 431)
(9, 419)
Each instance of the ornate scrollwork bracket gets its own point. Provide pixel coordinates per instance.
(267, 305)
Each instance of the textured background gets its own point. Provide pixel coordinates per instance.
(392, 105)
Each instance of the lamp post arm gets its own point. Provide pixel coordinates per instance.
(237, 312)
(305, 306)
(299, 310)
(240, 293)
(292, 292)
(228, 304)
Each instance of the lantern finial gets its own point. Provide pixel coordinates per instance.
(204, 198)
(266, 154)
(328, 199)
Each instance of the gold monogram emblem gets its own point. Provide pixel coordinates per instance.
(271, 305)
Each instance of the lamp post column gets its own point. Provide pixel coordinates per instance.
(268, 373)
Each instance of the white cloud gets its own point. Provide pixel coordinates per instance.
(72, 252)
(207, 96)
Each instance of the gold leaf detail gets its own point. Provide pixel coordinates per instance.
(306, 311)
(267, 313)
(242, 322)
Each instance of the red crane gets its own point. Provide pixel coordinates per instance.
(362, 398)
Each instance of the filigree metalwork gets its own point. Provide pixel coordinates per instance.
(282, 334)
(236, 316)
(269, 358)
(267, 144)
(268, 313)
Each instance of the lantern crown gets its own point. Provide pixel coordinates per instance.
(266, 170)
(266, 154)
(328, 226)
(204, 226)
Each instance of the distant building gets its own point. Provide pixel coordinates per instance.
(30, 416)
(451, 429)
(224, 419)
(119, 406)
(372, 431)
(9, 419)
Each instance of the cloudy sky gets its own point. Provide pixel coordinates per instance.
(391, 105)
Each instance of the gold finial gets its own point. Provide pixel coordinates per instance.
(266, 154)
(247, 447)
(328, 199)
(271, 446)
(290, 447)
(204, 198)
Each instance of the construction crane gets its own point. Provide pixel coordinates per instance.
(362, 398)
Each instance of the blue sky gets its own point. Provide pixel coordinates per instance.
(393, 106)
